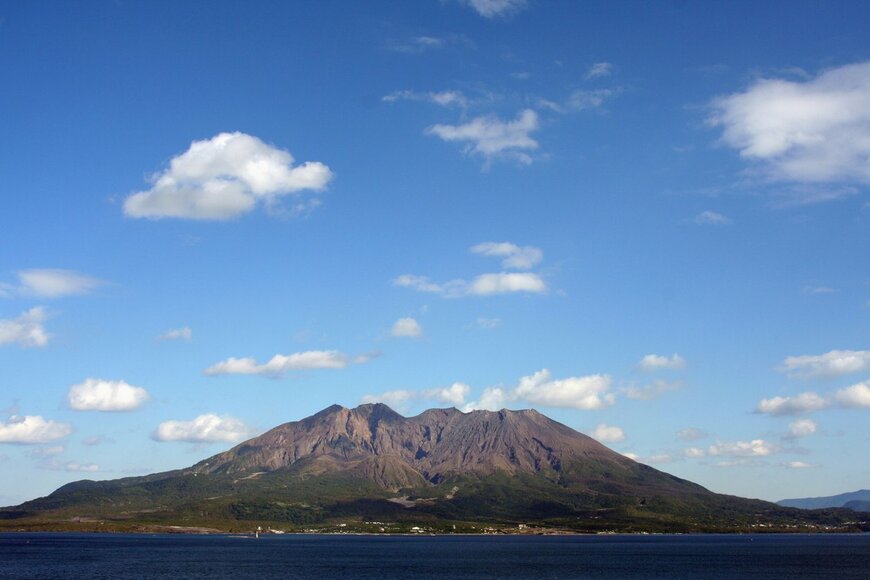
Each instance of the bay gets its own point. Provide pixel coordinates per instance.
(71, 555)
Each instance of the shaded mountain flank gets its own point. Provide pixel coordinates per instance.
(371, 469)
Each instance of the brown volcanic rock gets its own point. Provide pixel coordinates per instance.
(378, 444)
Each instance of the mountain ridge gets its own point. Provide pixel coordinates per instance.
(443, 468)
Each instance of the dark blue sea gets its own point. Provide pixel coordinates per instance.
(45, 555)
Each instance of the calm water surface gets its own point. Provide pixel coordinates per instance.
(39, 555)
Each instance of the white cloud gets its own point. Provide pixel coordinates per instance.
(599, 69)
(407, 328)
(81, 467)
(799, 465)
(101, 395)
(856, 396)
(712, 218)
(655, 362)
(50, 283)
(801, 428)
(396, 399)
(32, 430)
(49, 451)
(26, 330)
(492, 399)
(507, 282)
(224, 177)
(652, 390)
(754, 448)
(204, 429)
(454, 395)
(815, 131)
(694, 452)
(496, 8)
(608, 433)
(691, 434)
(515, 257)
(588, 392)
(831, 364)
(183, 333)
(801, 403)
(492, 138)
(482, 285)
(281, 364)
(632, 456)
(487, 323)
(582, 100)
(441, 98)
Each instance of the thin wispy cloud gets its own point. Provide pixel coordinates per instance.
(50, 283)
(441, 98)
(184, 333)
(599, 69)
(657, 362)
(492, 138)
(830, 364)
(496, 8)
(281, 364)
(406, 328)
(712, 218)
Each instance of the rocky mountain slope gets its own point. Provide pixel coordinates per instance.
(440, 468)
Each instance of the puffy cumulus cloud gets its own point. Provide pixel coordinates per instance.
(441, 98)
(599, 69)
(454, 395)
(655, 362)
(856, 396)
(831, 364)
(50, 283)
(492, 399)
(652, 390)
(691, 434)
(712, 218)
(407, 328)
(801, 403)
(496, 8)
(812, 131)
(608, 433)
(397, 399)
(801, 428)
(206, 428)
(32, 430)
(693, 452)
(26, 330)
(492, 138)
(183, 333)
(514, 256)
(101, 395)
(280, 364)
(507, 283)
(754, 448)
(584, 393)
(224, 177)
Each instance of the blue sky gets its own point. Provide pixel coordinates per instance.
(647, 220)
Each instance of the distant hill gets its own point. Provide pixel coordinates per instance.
(833, 501)
(371, 469)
